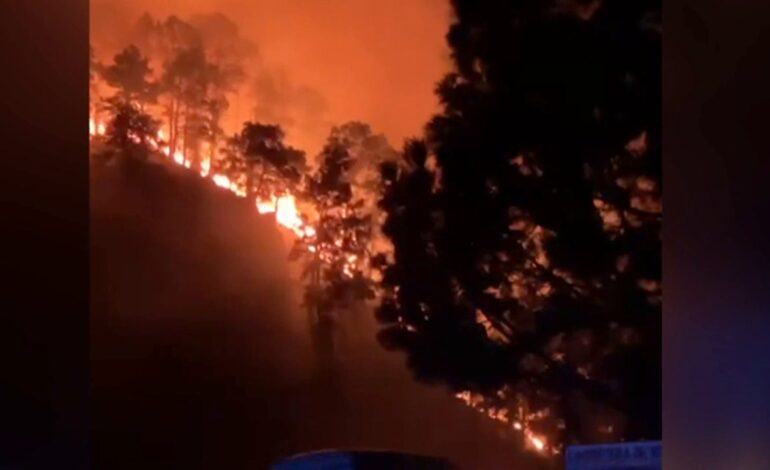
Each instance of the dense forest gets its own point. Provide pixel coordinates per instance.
(513, 250)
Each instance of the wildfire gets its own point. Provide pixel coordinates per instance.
(96, 128)
(266, 207)
(532, 440)
(536, 442)
(286, 214)
(222, 181)
(205, 167)
(284, 207)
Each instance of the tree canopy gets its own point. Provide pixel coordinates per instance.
(268, 165)
(130, 74)
(338, 253)
(527, 227)
(515, 247)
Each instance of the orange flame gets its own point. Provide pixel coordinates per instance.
(284, 207)
(286, 214)
(532, 441)
(96, 128)
(205, 167)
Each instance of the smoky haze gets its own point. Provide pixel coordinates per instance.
(321, 62)
(201, 354)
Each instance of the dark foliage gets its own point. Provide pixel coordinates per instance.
(527, 254)
(130, 133)
(337, 253)
(130, 75)
(270, 166)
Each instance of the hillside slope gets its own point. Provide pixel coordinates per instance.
(200, 357)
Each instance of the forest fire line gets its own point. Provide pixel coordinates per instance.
(96, 128)
(568, 327)
(284, 207)
(532, 440)
(286, 213)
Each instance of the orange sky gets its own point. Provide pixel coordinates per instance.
(376, 61)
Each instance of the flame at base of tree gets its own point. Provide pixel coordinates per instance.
(517, 420)
(96, 128)
(284, 207)
(286, 214)
(329, 250)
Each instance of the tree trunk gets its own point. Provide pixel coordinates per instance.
(261, 179)
(185, 129)
(249, 181)
(173, 126)
(212, 150)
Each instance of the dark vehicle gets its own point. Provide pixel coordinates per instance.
(362, 460)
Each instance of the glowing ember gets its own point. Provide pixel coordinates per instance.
(537, 442)
(533, 441)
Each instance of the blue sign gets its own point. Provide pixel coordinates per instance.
(624, 456)
(318, 461)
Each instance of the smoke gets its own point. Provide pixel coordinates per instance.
(320, 62)
(301, 110)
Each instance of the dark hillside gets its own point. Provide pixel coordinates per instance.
(199, 356)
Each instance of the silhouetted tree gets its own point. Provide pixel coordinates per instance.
(196, 100)
(94, 68)
(270, 167)
(367, 151)
(162, 39)
(224, 45)
(93, 71)
(526, 230)
(202, 61)
(130, 132)
(130, 75)
(337, 254)
(184, 81)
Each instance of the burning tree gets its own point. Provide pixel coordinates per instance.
(93, 85)
(259, 156)
(130, 75)
(162, 39)
(201, 64)
(526, 270)
(343, 194)
(130, 133)
(185, 81)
